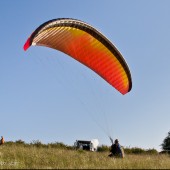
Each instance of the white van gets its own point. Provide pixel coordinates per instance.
(90, 145)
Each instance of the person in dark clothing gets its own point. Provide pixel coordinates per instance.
(2, 140)
(116, 150)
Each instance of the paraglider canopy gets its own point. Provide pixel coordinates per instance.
(86, 45)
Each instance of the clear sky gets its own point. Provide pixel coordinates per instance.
(46, 95)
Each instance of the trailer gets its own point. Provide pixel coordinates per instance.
(90, 145)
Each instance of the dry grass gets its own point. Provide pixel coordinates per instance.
(12, 157)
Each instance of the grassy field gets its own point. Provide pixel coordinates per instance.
(13, 157)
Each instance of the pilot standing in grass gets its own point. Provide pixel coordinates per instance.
(116, 150)
(2, 141)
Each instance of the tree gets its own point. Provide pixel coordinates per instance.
(166, 143)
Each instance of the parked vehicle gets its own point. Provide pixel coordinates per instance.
(90, 145)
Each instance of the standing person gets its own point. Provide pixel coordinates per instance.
(116, 150)
(2, 141)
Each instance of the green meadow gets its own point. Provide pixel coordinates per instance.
(58, 156)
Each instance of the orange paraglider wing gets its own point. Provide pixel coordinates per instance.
(86, 45)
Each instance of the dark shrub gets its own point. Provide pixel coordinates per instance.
(103, 148)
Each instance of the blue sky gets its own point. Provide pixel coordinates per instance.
(45, 95)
